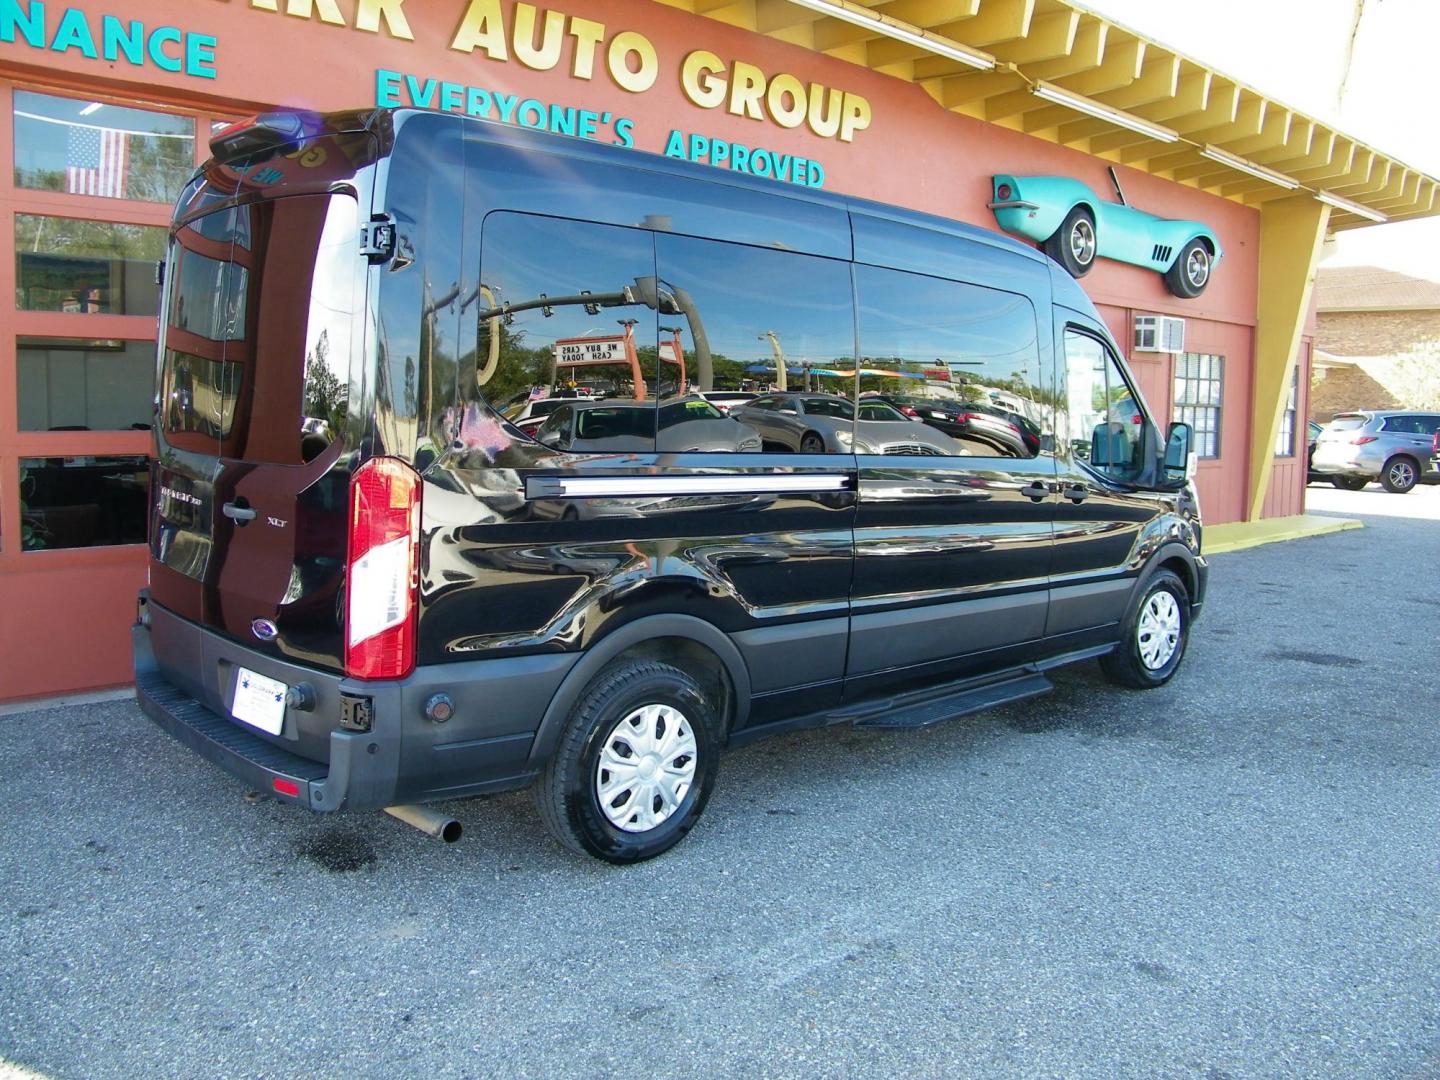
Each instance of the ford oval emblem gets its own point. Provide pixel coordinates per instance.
(264, 629)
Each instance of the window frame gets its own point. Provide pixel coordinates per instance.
(1127, 377)
(1292, 404)
(15, 444)
(1219, 408)
(1039, 324)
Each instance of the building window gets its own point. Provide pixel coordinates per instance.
(81, 384)
(1285, 437)
(86, 267)
(1199, 394)
(82, 501)
(92, 148)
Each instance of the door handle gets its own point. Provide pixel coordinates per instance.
(1035, 490)
(1076, 493)
(237, 513)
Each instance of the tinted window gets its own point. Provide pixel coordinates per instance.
(566, 304)
(268, 378)
(836, 407)
(690, 409)
(732, 315)
(82, 501)
(1103, 420)
(1347, 422)
(876, 410)
(933, 339)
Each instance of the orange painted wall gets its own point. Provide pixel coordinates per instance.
(66, 627)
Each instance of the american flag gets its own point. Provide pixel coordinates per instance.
(95, 161)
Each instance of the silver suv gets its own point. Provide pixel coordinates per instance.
(1392, 447)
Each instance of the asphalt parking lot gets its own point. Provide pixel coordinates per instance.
(1232, 877)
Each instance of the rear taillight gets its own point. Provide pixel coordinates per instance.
(380, 611)
(1435, 443)
(1361, 440)
(909, 410)
(1003, 192)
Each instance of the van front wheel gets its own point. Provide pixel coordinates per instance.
(634, 767)
(1154, 636)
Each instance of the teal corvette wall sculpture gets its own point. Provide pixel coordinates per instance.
(1075, 226)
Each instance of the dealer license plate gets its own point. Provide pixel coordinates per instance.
(259, 701)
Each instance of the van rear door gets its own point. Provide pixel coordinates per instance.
(258, 402)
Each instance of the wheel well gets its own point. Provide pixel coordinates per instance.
(1181, 569)
(1082, 206)
(1405, 454)
(696, 660)
(1207, 244)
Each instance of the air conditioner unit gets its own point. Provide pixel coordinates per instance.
(1159, 333)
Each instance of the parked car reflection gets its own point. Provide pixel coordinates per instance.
(825, 424)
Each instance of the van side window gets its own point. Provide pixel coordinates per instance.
(732, 317)
(1103, 419)
(962, 359)
(563, 311)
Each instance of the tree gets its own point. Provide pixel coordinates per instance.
(1415, 377)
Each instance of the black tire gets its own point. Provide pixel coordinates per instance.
(567, 790)
(1400, 474)
(811, 443)
(1126, 665)
(1074, 244)
(1349, 483)
(1190, 272)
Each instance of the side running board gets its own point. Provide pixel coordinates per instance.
(911, 713)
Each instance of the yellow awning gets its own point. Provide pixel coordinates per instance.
(1070, 76)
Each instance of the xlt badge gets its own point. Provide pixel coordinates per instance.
(277, 522)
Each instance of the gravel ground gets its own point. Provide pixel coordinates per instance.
(1232, 877)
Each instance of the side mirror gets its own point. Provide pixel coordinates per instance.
(549, 438)
(1179, 459)
(1107, 447)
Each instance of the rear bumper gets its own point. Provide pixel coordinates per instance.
(357, 776)
(184, 681)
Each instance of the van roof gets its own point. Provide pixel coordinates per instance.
(585, 149)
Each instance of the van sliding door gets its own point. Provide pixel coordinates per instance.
(953, 531)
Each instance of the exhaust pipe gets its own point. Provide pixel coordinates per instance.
(427, 821)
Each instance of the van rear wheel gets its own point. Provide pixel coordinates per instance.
(634, 766)
(1155, 633)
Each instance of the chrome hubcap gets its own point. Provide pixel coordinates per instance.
(646, 768)
(1401, 474)
(1159, 631)
(1197, 267)
(1082, 241)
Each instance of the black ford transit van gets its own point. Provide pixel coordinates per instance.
(370, 588)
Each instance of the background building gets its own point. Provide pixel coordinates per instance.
(1377, 341)
(105, 107)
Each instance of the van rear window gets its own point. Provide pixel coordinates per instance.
(259, 329)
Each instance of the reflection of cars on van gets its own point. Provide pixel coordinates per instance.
(1074, 226)
(993, 429)
(725, 400)
(690, 425)
(454, 631)
(826, 424)
(529, 413)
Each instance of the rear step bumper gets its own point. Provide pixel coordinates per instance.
(359, 775)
